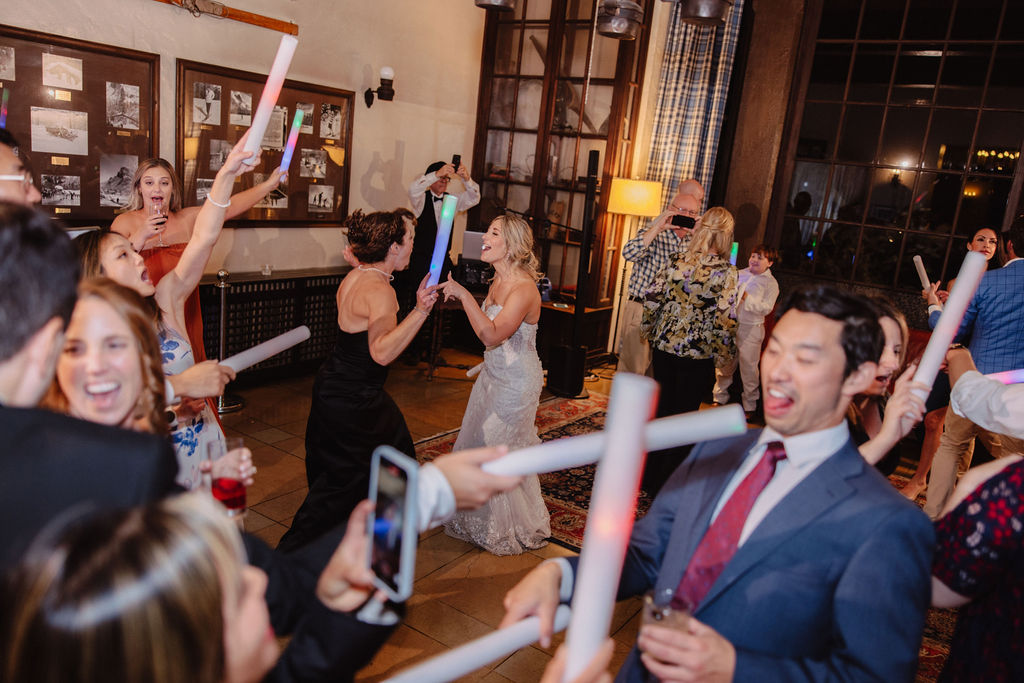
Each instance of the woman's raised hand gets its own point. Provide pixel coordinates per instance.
(426, 296)
(452, 289)
(239, 161)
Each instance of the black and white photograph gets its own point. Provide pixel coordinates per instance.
(6, 63)
(330, 121)
(206, 103)
(278, 197)
(203, 187)
(275, 135)
(116, 171)
(61, 190)
(240, 113)
(122, 106)
(219, 150)
(321, 198)
(307, 117)
(313, 164)
(62, 72)
(60, 131)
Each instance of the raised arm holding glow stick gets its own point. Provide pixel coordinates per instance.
(293, 137)
(444, 232)
(665, 432)
(967, 281)
(269, 348)
(921, 272)
(462, 660)
(271, 91)
(612, 511)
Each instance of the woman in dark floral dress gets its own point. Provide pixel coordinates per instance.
(979, 564)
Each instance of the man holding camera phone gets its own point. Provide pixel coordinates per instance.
(649, 252)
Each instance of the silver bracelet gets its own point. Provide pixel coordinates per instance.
(426, 314)
(216, 203)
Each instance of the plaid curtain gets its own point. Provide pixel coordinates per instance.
(692, 90)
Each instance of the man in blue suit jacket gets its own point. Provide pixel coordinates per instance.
(831, 578)
(994, 326)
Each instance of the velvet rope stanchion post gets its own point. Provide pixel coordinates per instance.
(967, 281)
(665, 432)
(610, 520)
(226, 403)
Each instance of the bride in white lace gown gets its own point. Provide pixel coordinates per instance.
(503, 404)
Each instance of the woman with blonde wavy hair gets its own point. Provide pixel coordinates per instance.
(503, 404)
(689, 320)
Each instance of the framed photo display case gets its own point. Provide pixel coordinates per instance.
(215, 108)
(84, 115)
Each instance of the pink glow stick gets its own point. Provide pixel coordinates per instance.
(1008, 377)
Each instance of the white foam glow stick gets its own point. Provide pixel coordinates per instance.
(271, 347)
(665, 432)
(1009, 376)
(921, 272)
(967, 281)
(283, 60)
(444, 233)
(610, 519)
(480, 652)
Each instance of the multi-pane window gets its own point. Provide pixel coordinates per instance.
(909, 138)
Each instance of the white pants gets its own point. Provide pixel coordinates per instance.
(748, 340)
(634, 350)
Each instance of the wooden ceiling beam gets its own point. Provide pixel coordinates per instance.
(216, 9)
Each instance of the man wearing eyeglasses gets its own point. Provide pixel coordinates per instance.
(16, 184)
(649, 252)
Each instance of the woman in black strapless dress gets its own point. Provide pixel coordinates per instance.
(351, 413)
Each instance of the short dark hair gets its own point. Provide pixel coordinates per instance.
(38, 275)
(436, 166)
(769, 253)
(371, 235)
(1015, 235)
(862, 338)
(7, 139)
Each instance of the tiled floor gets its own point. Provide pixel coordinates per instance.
(459, 588)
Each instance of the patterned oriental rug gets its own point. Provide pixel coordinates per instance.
(567, 494)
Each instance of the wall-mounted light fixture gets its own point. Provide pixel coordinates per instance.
(705, 12)
(503, 5)
(619, 19)
(386, 91)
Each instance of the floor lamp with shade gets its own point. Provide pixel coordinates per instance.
(631, 198)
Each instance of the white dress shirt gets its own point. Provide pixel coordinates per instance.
(761, 290)
(417, 195)
(989, 403)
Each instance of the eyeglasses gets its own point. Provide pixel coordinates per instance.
(687, 212)
(25, 177)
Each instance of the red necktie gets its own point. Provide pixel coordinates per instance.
(722, 537)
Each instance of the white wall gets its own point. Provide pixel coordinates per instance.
(434, 47)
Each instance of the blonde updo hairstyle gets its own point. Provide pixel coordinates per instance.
(713, 234)
(518, 238)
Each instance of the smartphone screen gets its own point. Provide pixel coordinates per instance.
(386, 556)
(456, 160)
(683, 221)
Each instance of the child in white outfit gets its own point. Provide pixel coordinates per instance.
(758, 291)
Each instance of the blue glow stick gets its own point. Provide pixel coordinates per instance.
(444, 232)
(1009, 376)
(293, 137)
(3, 109)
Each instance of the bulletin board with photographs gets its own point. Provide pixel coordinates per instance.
(84, 115)
(215, 108)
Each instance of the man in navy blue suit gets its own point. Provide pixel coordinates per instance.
(830, 574)
(994, 324)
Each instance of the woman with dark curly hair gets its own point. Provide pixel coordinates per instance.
(351, 413)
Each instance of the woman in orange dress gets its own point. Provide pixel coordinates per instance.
(159, 228)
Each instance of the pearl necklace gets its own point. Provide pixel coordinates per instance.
(389, 276)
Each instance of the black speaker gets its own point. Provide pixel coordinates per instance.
(565, 371)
